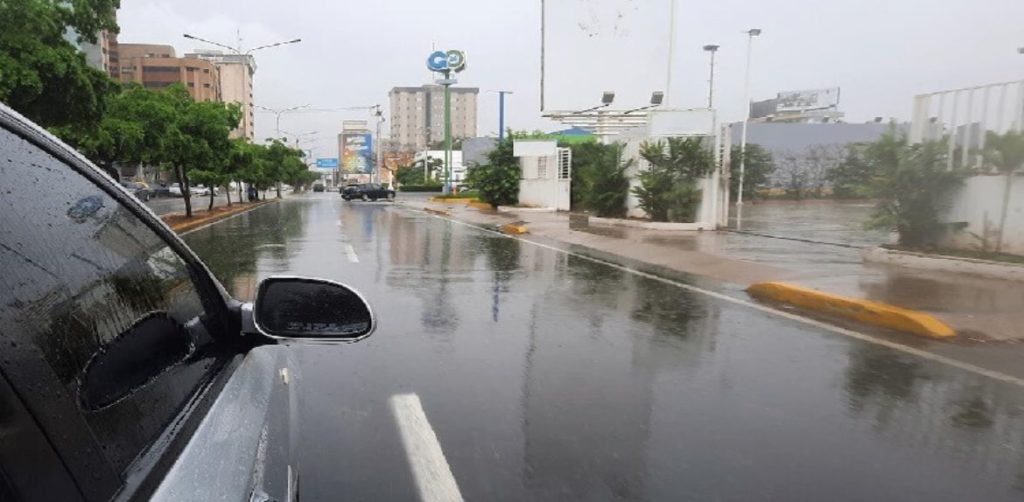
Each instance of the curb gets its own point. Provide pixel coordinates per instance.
(478, 205)
(439, 212)
(943, 263)
(452, 201)
(197, 222)
(513, 229)
(868, 312)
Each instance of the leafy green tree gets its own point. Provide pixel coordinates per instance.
(132, 131)
(414, 171)
(409, 175)
(253, 170)
(439, 145)
(668, 190)
(199, 139)
(852, 177)
(277, 163)
(756, 172)
(599, 181)
(913, 185)
(498, 180)
(42, 74)
(1004, 152)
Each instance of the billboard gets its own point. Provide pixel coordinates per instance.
(814, 99)
(331, 163)
(356, 153)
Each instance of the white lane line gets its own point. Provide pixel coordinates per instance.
(433, 476)
(351, 253)
(995, 375)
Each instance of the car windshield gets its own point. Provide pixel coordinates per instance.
(619, 249)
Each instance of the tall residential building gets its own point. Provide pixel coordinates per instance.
(417, 115)
(236, 72)
(155, 66)
(103, 55)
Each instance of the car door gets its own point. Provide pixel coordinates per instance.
(122, 347)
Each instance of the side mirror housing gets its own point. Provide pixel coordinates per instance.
(308, 309)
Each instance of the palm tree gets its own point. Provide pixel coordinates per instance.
(1005, 152)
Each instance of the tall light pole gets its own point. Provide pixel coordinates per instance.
(671, 48)
(501, 113)
(711, 80)
(380, 143)
(279, 112)
(751, 33)
(244, 57)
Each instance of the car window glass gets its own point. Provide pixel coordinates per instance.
(79, 271)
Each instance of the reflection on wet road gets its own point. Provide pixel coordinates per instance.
(550, 377)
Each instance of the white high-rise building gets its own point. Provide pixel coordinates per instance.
(236, 72)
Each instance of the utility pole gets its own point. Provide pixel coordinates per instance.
(711, 79)
(751, 33)
(447, 133)
(501, 113)
(380, 143)
(671, 48)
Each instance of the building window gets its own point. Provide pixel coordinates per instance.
(190, 84)
(160, 69)
(206, 86)
(542, 167)
(206, 70)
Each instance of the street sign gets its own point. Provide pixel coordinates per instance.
(331, 163)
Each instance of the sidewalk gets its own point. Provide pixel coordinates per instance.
(977, 309)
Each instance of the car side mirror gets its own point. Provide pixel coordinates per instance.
(306, 308)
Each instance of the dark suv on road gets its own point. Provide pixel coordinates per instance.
(128, 372)
(367, 191)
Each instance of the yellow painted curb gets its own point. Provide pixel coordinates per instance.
(511, 228)
(874, 313)
(441, 212)
(479, 205)
(451, 202)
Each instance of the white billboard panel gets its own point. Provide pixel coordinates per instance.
(593, 46)
(812, 99)
(698, 122)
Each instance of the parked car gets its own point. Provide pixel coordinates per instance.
(133, 374)
(203, 190)
(174, 190)
(139, 190)
(318, 187)
(160, 191)
(367, 191)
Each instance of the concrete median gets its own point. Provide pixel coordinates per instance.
(868, 312)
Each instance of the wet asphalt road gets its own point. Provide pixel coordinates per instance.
(546, 376)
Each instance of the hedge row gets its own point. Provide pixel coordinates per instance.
(419, 188)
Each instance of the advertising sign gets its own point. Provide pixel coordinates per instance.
(814, 99)
(331, 163)
(356, 153)
(442, 61)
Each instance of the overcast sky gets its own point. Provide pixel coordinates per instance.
(880, 52)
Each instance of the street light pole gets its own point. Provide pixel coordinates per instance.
(501, 113)
(278, 113)
(711, 80)
(244, 57)
(751, 33)
(380, 143)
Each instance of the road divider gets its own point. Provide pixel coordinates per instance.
(513, 229)
(451, 200)
(181, 224)
(439, 212)
(868, 312)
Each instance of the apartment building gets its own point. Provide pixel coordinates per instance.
(417, 115)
